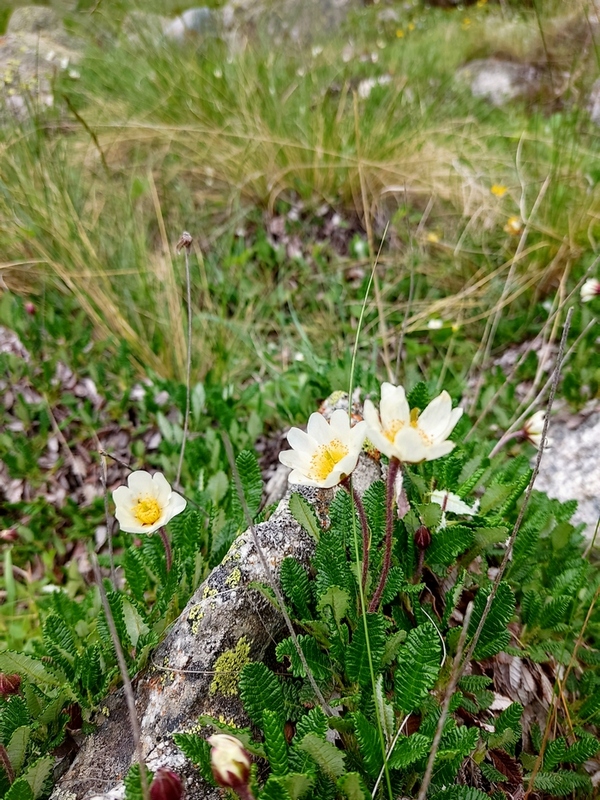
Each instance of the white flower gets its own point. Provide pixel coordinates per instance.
(453, 503)
(327, 453)
(533, 429)
(229, 760)
(146, 503)
(407, 435)
(590, 289)
(435, 324)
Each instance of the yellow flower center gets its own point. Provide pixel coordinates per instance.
(392, 429)
(147, 511)
(325, 458)
(414, 423)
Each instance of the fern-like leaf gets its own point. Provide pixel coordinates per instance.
(20, 790)
(357, 658)
(275, 743)
(325, 754)
(198, 751)
(369, 743)
(352, 787)
(260, 690)
(59, 643)
(252, 485)
(446, 544)
(133, 782)
(296, 586)
(418, 667)
(314, 721)
(562, 783)
(408, 750)
(317, 661)
(374, 504)
(494, 636)
(13, 715)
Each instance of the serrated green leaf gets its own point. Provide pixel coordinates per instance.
(133, 782)
(494, 635)
(304, 514)
(134, 624)
(314, 721)
(408, 750)
(418, 666)
(17, 747)
(274, 789)
(317, 661)
(20, 790)
(275, 743)
(446, 544)
(38, 773)
(325, 754)
(337, 600)
(296, 586)
(260, 690)
(252, 486)
(369, 743)
(561, 783)
(352, 787)
(297, 784)
(357, 658)
(198, 751)
(28, 667)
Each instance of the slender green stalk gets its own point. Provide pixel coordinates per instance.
(185, 242)
(168, 552)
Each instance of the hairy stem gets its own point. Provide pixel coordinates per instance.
(393, 467)
(168, 552)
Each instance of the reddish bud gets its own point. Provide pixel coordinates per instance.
(166, 785)
(9, 535)
(9, 684)
(30, 309)
(230, 761)
(422, 538)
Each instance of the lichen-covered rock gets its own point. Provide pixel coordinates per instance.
(194, 671)
(499, 81)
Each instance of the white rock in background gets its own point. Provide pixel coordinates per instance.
(193, 23)
(500, 81)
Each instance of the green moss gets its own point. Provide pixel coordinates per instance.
(228, 667)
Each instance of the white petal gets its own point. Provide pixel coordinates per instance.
(293, 459)
(435, 418)
(340, 424)
(140, 482)
(123, 498)
(318, 428)
(162, 489)
(409, 446)
(439, 450)
(357, 435)
(452, 502)
(300, 440)
(300, 479)
(177, 504)
(394, 405)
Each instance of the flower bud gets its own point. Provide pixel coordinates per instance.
(30, 309)
(166, 785)
(230, 761)
(9, 684)
(422, 538)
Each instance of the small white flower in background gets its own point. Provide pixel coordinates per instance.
(328, 451)
(402, 433)
(229, 760)
(533, 429)
(435, 324)
(146, 503)
(589, 290)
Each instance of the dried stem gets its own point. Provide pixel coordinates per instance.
(393, 467)
(536, 469)
(457, 670)
(186, 241)
(270, 577)
(109, 541)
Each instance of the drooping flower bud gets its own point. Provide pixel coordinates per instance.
(422, 537)
(9, 684)
(230, 761)
(30, 309)
(166, 785)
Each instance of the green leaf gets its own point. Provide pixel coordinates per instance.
(369, 743)
(337, 600)
(28, 667)
(561, 783)
(134, 623)
(38, 773)
(274, 789)
(296, 586)
(555, 753)
(583, 750)
(297, 784)
(133, 782)
(446, 544)
(494, 636)
(374, 504)
(314, 721)
(252, 486)
(357, 659)
(408, 750)
(325, 754)
(385, 711)
(392, 646)
(418, 666)
(136, 574)
(304, 514)
(419, 396)
(259, 690)
(17, 747)
(352, 787)
(198, 751)
(20, 790)
(460, 793)
(275, 743)
(317, 661)
(13, 715)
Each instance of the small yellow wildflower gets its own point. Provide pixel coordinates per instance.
(411, 26)
(466, 23)
(498, 190)
(433, 238)
(400, 33)
(514, 225)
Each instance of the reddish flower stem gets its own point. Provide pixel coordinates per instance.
(168, 555)
(393, 467)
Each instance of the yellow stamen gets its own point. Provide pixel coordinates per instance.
(325, 459)
(147, 511)
(414, 416)
(414, 423)
(392, 429)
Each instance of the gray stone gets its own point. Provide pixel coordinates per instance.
(192, 24)
(284, 20)
(33, 19)
(500, 81)
(570, 470)
(593, 105)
